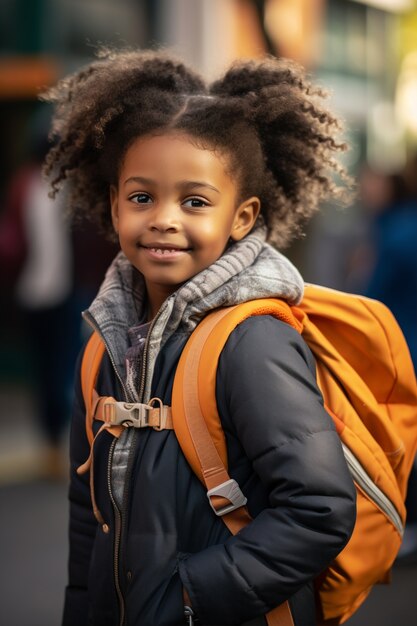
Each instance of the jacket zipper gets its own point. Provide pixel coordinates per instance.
(117, 536)
(123, 512)
(370, 488)
(117, 513)
(120, 514)
(144, 360)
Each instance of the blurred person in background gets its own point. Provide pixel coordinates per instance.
(35, 249)
(389, 274)
(391, 205)
(47, 274)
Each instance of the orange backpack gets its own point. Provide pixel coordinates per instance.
(368, 383)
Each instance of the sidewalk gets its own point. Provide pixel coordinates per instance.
(33, 521)
(33, 531)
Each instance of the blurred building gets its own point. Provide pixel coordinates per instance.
(356, 47)
(364, 51)
(361, 49)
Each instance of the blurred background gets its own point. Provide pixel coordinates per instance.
(363, 51)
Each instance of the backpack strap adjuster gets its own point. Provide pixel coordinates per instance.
(126, 413)
(226, 497)
(137, 414)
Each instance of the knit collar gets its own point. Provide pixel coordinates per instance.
(248, 270)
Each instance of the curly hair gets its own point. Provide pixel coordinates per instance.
(264, 115)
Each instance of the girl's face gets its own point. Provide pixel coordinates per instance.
(174, 209)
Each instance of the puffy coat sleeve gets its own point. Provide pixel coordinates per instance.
(266, 382)
(82, 527)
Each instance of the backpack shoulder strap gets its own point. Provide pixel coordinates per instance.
(196, 420)
(90, 367)
(197, 423)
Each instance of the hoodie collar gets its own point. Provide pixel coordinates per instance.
(248, 270)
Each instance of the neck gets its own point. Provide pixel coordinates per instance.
(157, 294)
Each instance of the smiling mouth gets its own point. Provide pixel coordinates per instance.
(164, 252)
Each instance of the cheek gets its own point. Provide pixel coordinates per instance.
(215, 232)
(129, 224)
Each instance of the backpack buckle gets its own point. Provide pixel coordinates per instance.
(231, 491)
(133, 414)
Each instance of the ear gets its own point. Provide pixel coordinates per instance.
(114, 207)
(245, 218)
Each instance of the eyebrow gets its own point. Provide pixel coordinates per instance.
(187, 184)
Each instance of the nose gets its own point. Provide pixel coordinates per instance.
(164, 218)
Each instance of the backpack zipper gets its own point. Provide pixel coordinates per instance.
(370, 488)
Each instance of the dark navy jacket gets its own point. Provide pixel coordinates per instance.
(284, 453)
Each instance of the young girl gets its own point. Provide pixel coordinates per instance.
(193, 179)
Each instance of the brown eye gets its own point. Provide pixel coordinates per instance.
(140, 198)
(195, 203)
